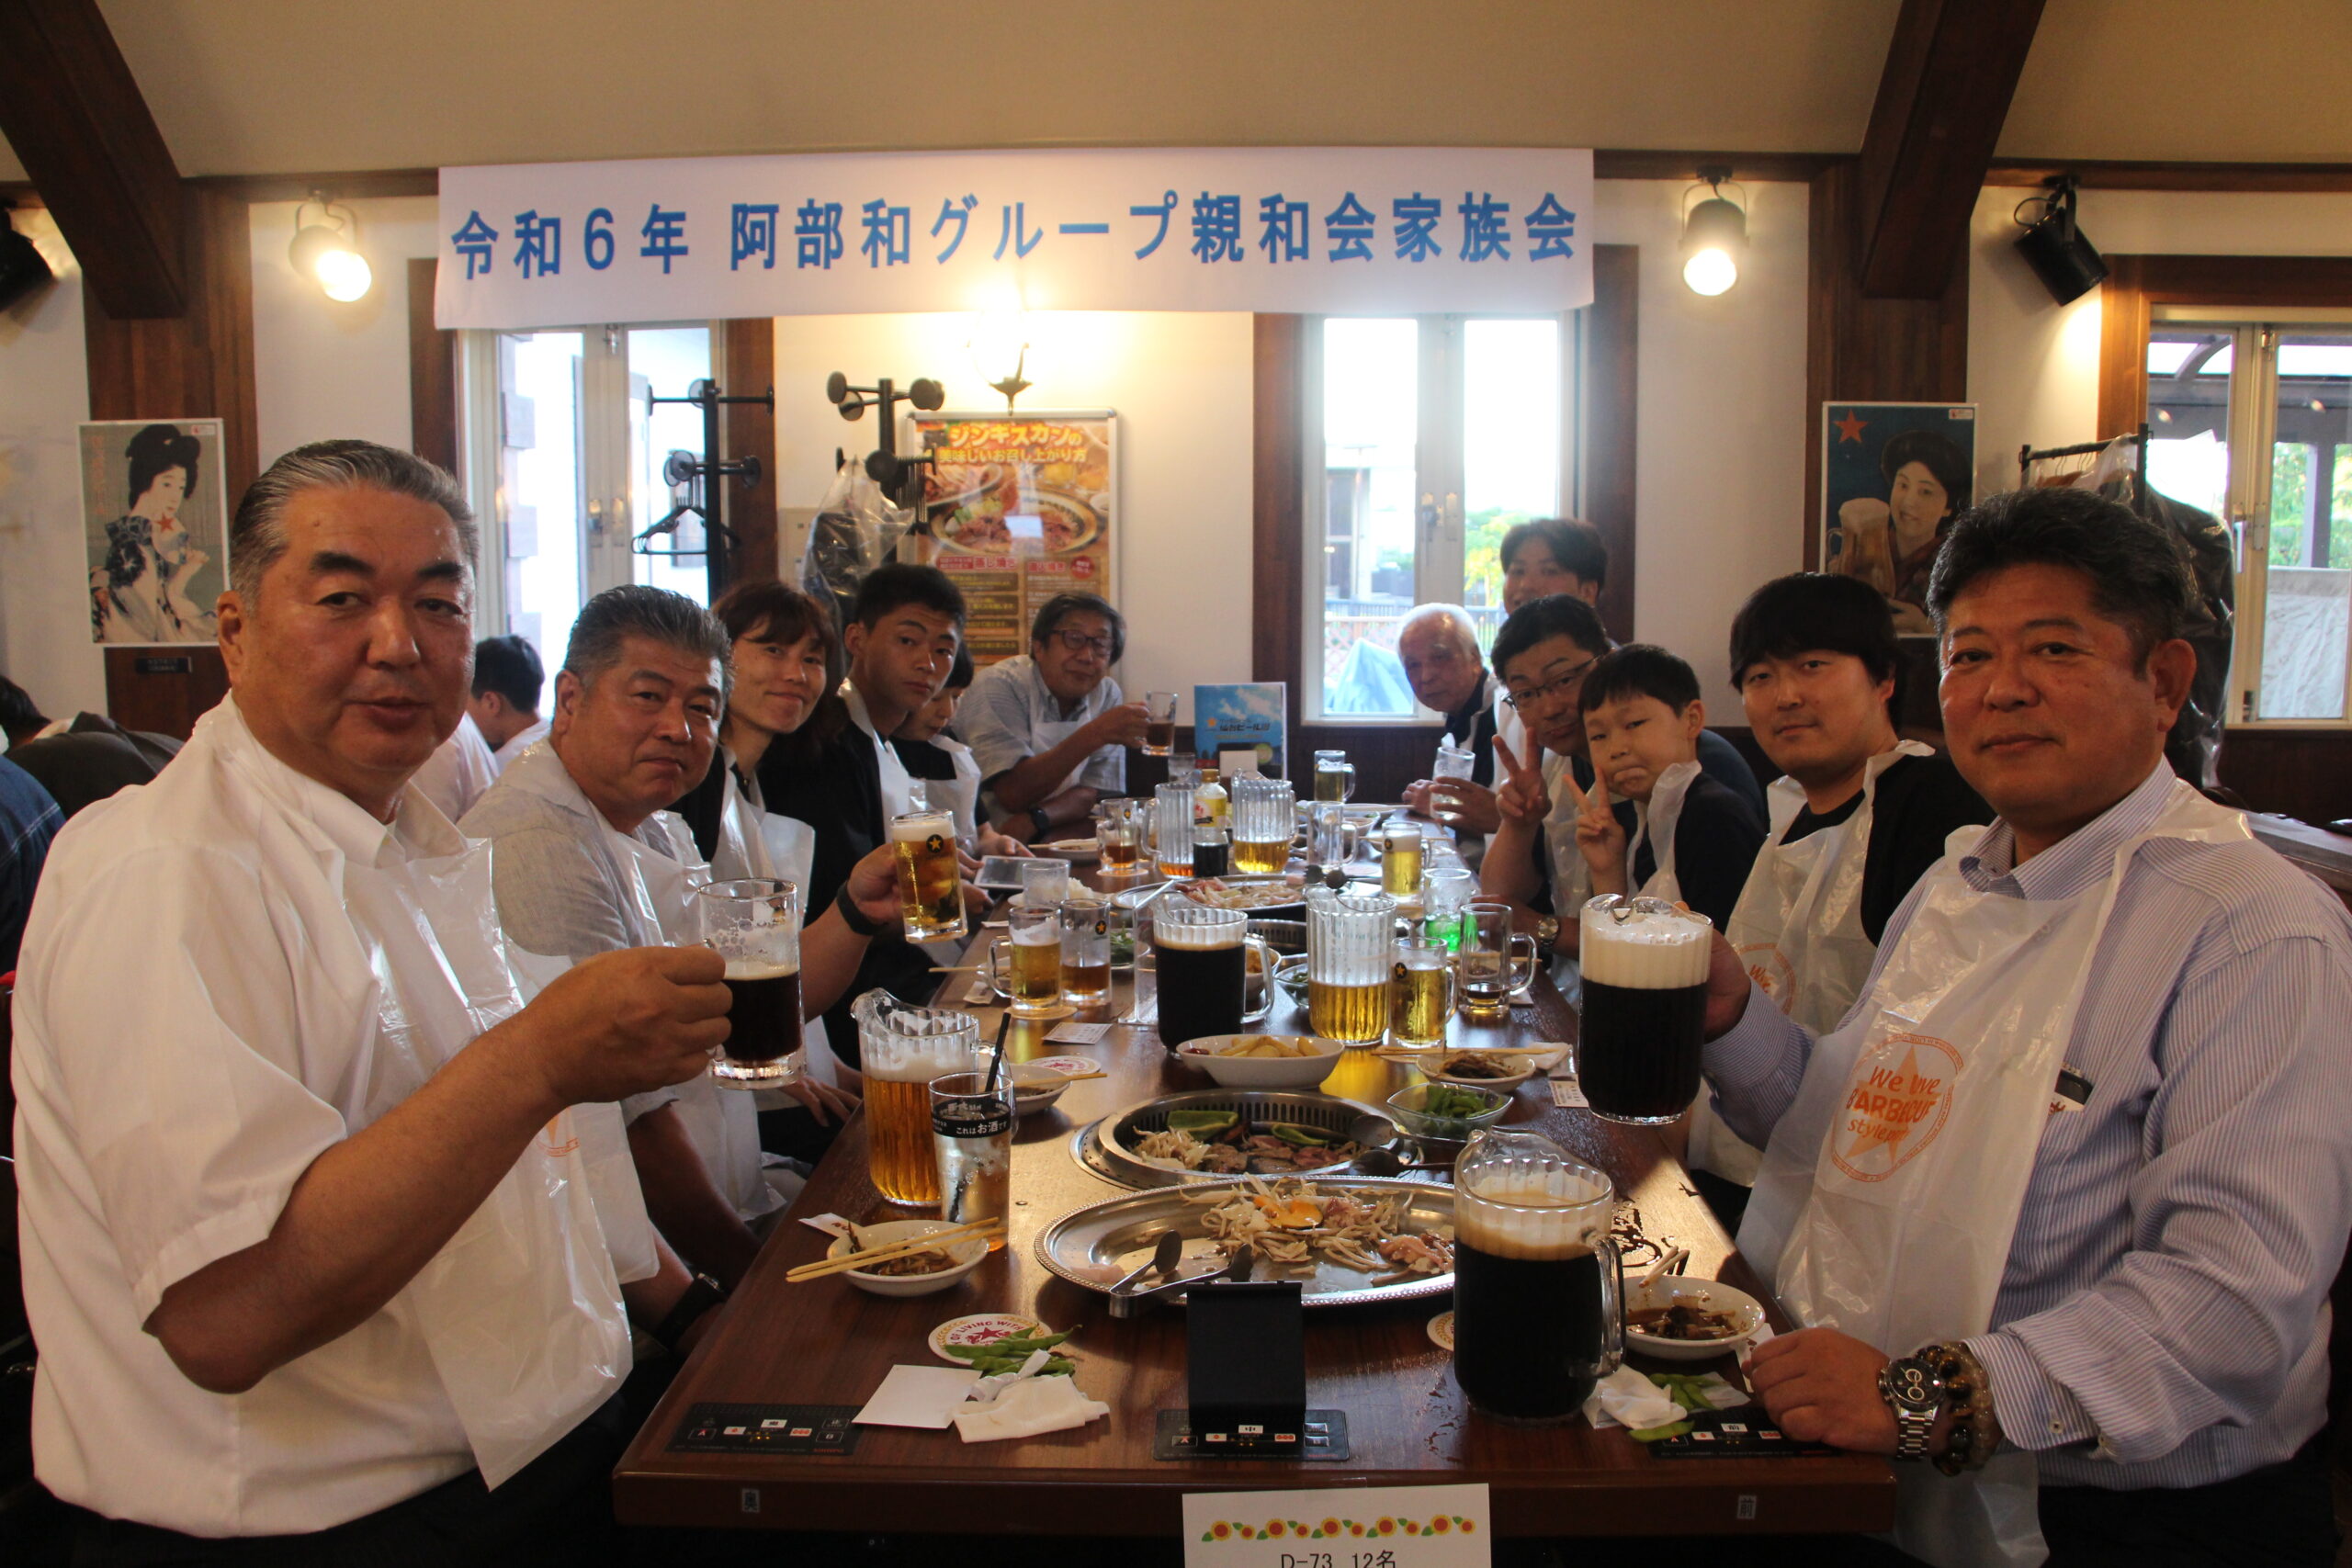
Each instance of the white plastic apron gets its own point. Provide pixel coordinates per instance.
(1890, 1189)
(1051, 733)
(1654, 821)
(960, 794)
(521, 1308)
(790, 846)
(1798, 928)
(1571, 878)
(898, 786)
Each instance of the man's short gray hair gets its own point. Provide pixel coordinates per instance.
(1464, 627)
(638, 609)
(258, 534)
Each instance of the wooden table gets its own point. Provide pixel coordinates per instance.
(826, 1342)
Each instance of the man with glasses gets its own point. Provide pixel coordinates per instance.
(1049, 727)
(1541, 655)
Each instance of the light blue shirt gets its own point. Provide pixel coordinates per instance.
(2163, 1319)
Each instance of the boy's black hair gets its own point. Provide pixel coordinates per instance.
(1574, 545)
(511, 667)
(1640, 670)
(1541, 620)
(1810, 610)
(896, 583)
(959, 675)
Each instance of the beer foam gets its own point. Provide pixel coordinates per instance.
(916, 1059)
(1049, 934)
(1655, 949)
(1552, 1215)
(762, 968)
(1202, 938)
(915, 829)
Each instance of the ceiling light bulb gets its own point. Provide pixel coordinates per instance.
(1710, 271)
(324, 252)
(343, 276)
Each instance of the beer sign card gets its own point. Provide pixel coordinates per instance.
(1377, 1526)
(1246, 717)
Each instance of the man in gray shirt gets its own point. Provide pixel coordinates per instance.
(1047, 727)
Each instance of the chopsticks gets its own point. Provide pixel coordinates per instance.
(929, 1242)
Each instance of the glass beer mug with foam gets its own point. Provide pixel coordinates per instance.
(1644, 1014)
(754, 924)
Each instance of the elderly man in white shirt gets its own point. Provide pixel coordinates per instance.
(1047, 727)
(309, 1243)
(587, 861)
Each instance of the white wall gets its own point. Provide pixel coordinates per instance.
(1722, 421)
(1181, 384)
(44, 571)
(2033, 365)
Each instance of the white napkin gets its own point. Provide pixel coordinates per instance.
(1626, 1398)
(1030, 1407)
(917, 1396)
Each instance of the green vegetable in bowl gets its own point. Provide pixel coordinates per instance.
(1447, 1102)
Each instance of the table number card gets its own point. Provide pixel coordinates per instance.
(1381, 1527)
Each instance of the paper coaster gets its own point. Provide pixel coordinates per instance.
(979, 1328)
(1442, 1331)
(1072, 1066)
(1079, 1034)
(1568, 1095)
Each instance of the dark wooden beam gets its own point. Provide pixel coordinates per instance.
(1950, 70)
(747, 368)
(1610, 392)
(2277, 179)
(432, 372)
(74, 115)
(347, 184)
(1278, 508)
(1670, 163)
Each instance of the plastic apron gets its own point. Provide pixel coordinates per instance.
(1891, 1188)
(523, 1321)
(782, 847)
(1654, 820)
(1798, 928)
(960, 794)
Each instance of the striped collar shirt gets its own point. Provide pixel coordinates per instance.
(2162, 1316)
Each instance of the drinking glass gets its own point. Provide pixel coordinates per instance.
(1538, 1285)
(972, 1139)
(1348, 939)
(900, 1050)
(1644, 968)
(1199, 956)
(1172, 829)
(1264, 823)
(931, 898)
(1452, 762)
(1122, 836)
(1400, 860)
(1044, 881)
(1422, 977)
(754, 924)
(1445, 892)
(1331, 836)
(1026, 966)
(1158, 723)
(1335, 776)
(1493, 961)
(1086, 951)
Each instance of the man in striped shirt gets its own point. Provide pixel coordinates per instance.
(2156, 1345)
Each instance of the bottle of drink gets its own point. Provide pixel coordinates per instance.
(1210, 808)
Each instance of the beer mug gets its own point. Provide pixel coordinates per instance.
(1400, 860)
(1086, 951)
(1330, 837)
(931, 897)
(754, 924)
(1348, 939)
(1121, 835)
(1158, 723)
(1335, 776)
(900, 1050)
(1200, 958)
(1172, 829)
(1421, 980)
(1645, 964)
(1493, 961)
(1538, 1285)
(1025, 966)
(1445, 892)
(1265, 821)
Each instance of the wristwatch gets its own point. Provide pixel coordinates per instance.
(1914, 1390)
(854, 918)
(698, 1298)
(1038, 823)
(1547, 932)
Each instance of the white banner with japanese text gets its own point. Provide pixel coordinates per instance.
(1338, 230)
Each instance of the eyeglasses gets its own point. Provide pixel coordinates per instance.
(1079, 642)
(1559, 685)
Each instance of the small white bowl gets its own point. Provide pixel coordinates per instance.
(1712, 1294)
(1528, 1067)
(968, 1254)
(1262, 1072)
(1034, 1087)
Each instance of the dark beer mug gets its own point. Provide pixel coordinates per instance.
(1538, 1292)
(1201, 957)
(1644, 1014)
(754, 924)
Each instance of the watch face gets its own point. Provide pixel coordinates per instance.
(1909, 1384)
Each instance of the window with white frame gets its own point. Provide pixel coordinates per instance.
(2252, 421)
(564, 465)
(1439, 433)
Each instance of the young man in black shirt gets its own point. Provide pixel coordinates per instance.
(1858, 815)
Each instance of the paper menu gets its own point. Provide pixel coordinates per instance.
(1379, 1526)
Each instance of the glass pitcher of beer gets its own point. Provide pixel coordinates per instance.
(1265, 821)
(1172, 829)
(1348, 936)
(1538, 1285)
(900, 1050)
(1644, 1014)
(754, 924)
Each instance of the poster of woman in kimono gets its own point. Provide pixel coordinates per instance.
(153, 517)
(1893, 476)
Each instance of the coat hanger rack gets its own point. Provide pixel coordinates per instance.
(696, 472)
(2028, 455)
